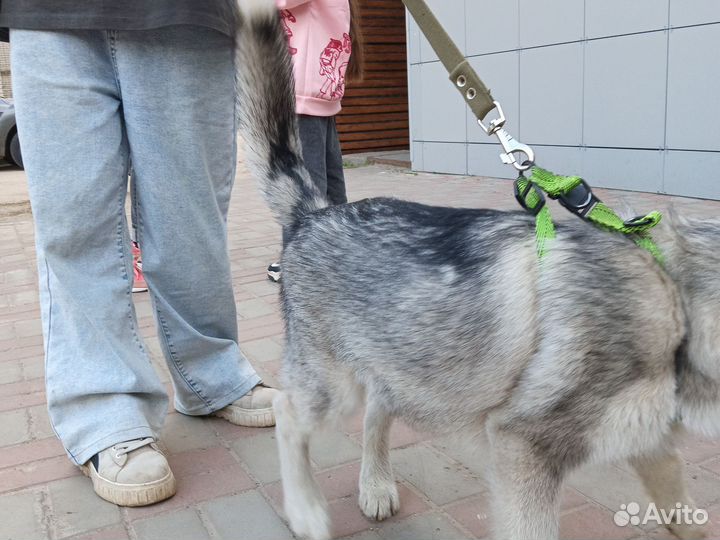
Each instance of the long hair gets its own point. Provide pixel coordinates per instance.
(355, 66)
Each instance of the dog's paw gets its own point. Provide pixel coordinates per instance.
(380, 501)
(686, 531)
(312, 522)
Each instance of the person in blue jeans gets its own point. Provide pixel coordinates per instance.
(94, 81)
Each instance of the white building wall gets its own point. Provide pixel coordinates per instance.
(625, 93)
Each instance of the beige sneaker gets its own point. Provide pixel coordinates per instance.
(131, 473)
(254, 409)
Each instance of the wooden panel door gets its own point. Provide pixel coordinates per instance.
(375, 110)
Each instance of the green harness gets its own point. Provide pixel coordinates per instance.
(575, 194)
(571, 191)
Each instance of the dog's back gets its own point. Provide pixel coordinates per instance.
(446, 314)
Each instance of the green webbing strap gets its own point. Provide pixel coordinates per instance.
(462, 75)
(535, 204)
(600, 214)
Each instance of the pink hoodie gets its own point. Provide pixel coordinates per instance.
(318, 34)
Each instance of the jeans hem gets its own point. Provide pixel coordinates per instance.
(81, 457)
(223, 401)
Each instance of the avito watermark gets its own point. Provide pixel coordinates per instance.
(679, 514)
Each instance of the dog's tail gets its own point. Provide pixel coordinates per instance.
(266, 107)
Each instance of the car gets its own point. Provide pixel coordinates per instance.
(9, 142)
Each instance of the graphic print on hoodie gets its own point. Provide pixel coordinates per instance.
(320, 45)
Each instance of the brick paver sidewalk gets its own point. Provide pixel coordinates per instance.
(228, 476)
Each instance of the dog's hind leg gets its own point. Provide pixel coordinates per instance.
(378, 492)
(525, 490)
(305, 506)
(663, 475)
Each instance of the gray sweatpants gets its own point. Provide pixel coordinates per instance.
(322, 156)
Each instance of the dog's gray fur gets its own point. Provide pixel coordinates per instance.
(445, 318)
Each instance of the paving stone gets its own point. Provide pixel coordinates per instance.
(201, 475)
(347, 518)
(20, 517)
(591, 523)
(180, 525)
(37, 472)
(263, 287)
(425, 527)
(30, 451)
(21, 401)
(231, 432)
(183, 433)
(110, 533)
(10, 372)
(442, 481)
(14, 427)
(263, 350)
(16, 353)
(19, 277)
(704, 488)
(474, 514)
(77, 509)
(571, 499)
(611, 486)
(247, 516)
(33, 368)
(255, 307)
(365, 535)
(340, 488)
(40, 427)
(6, 333)
(608, 485)
(21, 387)
(143, 306)
(697, 449)
(712, 465)
(403, 435)
(28, 328)
(473, 455)
(260, 454)
(329, 448)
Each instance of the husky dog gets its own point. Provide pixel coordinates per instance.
(594, 353)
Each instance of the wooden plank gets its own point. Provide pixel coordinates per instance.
(368, 110)
(375, 110)
(364, 127)
(375, 117)
(375, 144)
(389, 134)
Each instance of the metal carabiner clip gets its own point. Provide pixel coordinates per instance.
(512, 147)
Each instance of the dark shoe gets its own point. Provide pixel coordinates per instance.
(274, 273)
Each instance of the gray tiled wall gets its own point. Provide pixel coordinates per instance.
(623, 92)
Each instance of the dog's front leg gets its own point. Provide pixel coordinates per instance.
(525, 490)
(378, 492)
(305, 506)
(663, 475)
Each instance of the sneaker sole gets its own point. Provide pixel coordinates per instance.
(139, 289)
(131, 494)
(247, 417)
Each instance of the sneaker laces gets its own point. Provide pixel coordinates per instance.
(128, 446)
